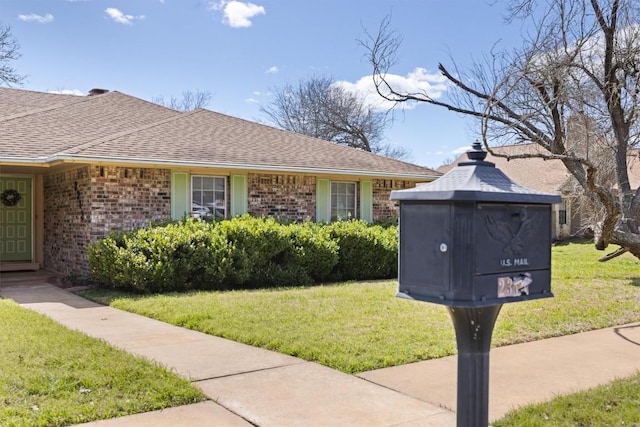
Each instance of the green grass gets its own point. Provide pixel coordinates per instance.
(52, 376)
(613, 404)
(355, 327)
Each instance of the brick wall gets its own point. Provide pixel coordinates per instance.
(282, 196)
(382, 206)
(83, 205)
(294, 196)
(66, 220)
(128, 198)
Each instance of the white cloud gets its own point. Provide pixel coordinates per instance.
(120, 17)
(68, 92)
(272, 70)
(252, 101)
(33, 17)
(419, 81)
(257, 93)
(461, 150)
(237, 14)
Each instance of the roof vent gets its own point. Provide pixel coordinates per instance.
(94, 92)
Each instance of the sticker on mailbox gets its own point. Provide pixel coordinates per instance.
(514, 286)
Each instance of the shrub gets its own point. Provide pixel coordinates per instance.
(387, 222)
(176, 257)
(260, 245)
(280, 255)
(314, 249)
(366, 252)
(242, 252)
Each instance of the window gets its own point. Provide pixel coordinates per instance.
(343, 200)
(208, 197)
(562, 213)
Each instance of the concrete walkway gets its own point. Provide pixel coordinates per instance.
(251, 386)
(247, 385)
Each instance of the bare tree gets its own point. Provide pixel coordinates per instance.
(189, 101)
(320, 108)
(9, 51)
(579, 66)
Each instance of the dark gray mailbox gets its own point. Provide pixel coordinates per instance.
(474, 238)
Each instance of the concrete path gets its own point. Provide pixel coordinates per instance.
(251, 386)
(526, 373)
(247, 385)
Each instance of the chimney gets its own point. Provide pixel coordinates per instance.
(96, 91)
(580, 135)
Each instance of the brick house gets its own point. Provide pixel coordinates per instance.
(84, 166)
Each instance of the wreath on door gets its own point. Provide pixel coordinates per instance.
(10, 197)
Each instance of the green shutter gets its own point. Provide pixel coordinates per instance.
(323, 200)
(366, 201)
(239, 195)
(180, 194)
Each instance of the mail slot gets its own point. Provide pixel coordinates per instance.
(474, 238)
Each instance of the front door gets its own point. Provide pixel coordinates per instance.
(15, 219)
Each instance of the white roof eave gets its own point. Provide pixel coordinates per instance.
(75, 158)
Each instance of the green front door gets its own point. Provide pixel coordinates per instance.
(15, 219)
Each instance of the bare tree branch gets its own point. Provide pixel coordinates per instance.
(320, 108)
(190, 100)
(9, 52)
(573, 88)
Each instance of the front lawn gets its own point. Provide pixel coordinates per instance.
(613, 404)
(52, 376)
(359, 326)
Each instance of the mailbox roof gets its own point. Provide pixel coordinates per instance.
(475, 180)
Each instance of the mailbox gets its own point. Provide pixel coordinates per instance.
(474, 238)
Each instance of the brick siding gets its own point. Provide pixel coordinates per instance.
(294, 196)
(66, 220)
(128, 198)
(282, 196)
(382, 206)
(83, 205)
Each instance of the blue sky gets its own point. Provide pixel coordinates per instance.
(239, 51)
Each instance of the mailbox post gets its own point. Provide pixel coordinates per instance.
(473, 240)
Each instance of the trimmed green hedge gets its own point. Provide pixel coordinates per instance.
(366, 252)
(175, 257)
(274, 254)
(243, 252)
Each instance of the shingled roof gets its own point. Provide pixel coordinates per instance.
(548, 176)
(116, 127)
(43, 131)
(17, 101)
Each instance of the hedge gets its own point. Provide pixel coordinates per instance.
(175, 257)
(366, 252)
(243, 252)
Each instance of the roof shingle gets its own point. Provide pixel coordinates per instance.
(120, 127)
(535, 173)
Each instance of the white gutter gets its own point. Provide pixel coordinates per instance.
(29, 160)
(137, 161)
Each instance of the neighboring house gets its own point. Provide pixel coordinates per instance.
(84, 166)
(550, 176)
